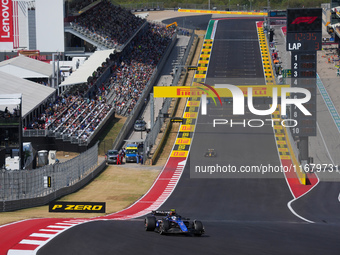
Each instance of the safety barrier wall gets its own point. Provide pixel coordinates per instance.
(294, 152)
(166, 131)
(130, 121)
(43, 200)
(152, 135)
(189, 61)
(26, 188)
(35, 132)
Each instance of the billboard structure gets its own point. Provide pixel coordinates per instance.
(32, 25)
(7, 25)
(304, 39)
(50, 25)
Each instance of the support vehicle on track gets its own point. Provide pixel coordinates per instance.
(131, 153)
(111, 156)
(172, 223)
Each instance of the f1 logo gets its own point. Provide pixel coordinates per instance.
(308, 20)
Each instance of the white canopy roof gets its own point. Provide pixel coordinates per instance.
(335, 25)
(87, 69)
(25, 67)
(336, 9)
(9, 99)
(33, 94)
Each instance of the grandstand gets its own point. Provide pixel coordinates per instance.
(104, 25)
(111, 81)
(80, 111)
(107, 24)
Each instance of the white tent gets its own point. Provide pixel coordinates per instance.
(10, 99)
(33, 94)
(86, 70)
(25, 67)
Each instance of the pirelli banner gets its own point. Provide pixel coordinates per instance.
(79, 207)
(196, 91)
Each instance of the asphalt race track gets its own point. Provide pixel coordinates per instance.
(236, 57)
(321, 204)
(199, 22)
(242, 214)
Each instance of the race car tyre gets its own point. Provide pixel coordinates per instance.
(210, 153)
(164, 227)
(199, 229)
(150, 223)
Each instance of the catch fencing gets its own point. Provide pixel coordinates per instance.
(40, 182)
(152, 135)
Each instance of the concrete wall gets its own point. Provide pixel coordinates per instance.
(6, 206)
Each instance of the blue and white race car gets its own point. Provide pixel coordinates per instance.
(172, 223)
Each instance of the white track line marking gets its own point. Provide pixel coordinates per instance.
(42, 235)
(293, 212)
(21, 252)
(51, 230)
(35, 242)
(66, 224)
(55, 226)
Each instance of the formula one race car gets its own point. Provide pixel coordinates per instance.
(210, 153)
(172, 223)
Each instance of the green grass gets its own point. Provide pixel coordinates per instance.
(109, 134)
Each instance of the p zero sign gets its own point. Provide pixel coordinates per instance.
(6, 23)
(80, 207)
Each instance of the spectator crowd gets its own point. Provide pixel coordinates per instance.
(111, 24)
(132, 70)
(79, 110)
(77, 5)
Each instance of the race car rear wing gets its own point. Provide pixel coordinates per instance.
(163, 212)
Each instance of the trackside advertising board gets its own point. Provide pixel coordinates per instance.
(6, 30)
(80, 207)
